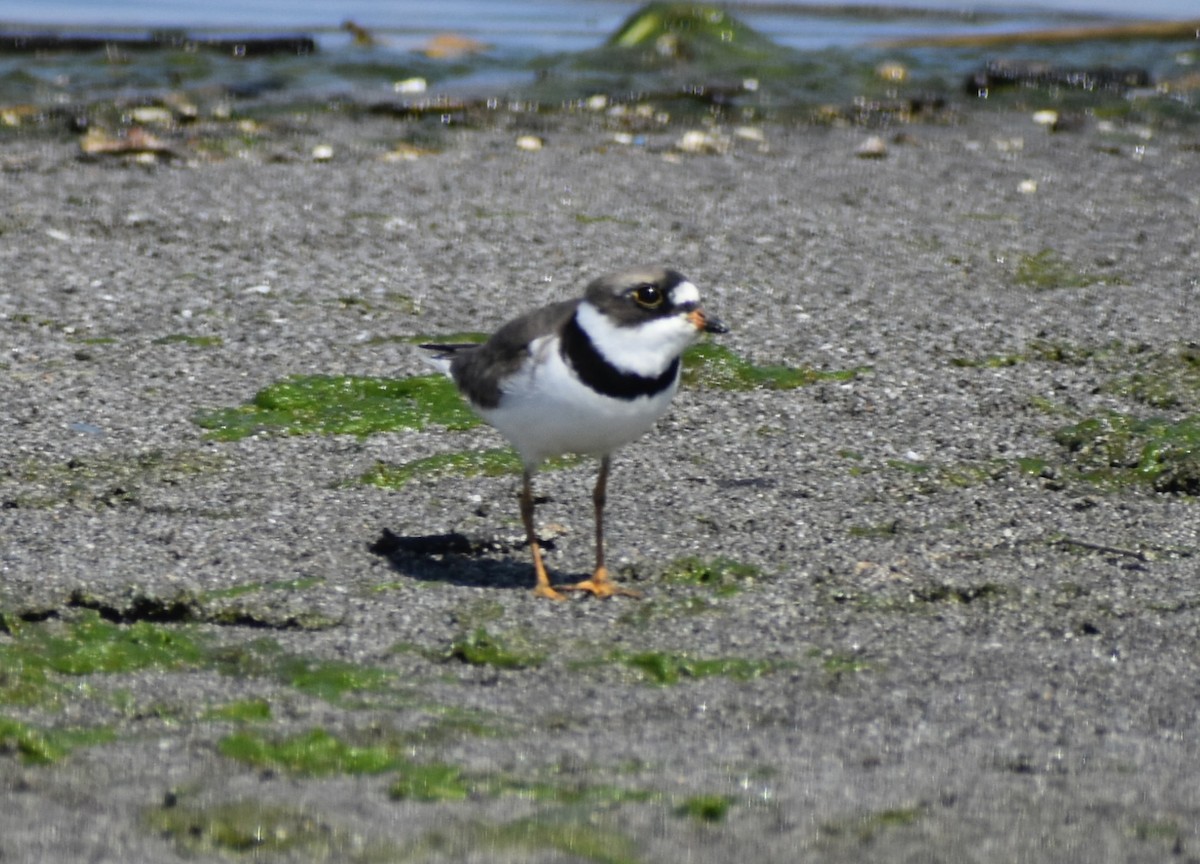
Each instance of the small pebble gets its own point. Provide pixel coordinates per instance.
(411, 85)
(405, 152)
(701, 141)
(873, 147)
(152, 114)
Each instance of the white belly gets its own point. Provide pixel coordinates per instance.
(546, 411)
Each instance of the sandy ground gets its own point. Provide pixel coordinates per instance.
(954, 659)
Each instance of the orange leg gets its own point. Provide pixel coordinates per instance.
(543, 587)
(600, 585)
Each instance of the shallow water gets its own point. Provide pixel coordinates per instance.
(546, 52)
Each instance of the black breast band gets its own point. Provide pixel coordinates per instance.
(595, 371)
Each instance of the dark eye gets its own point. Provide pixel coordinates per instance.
(648, 296)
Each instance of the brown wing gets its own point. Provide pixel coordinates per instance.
(479, 369)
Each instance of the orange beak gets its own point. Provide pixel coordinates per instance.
(704, 323)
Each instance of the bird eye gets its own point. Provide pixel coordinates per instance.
(648, 296)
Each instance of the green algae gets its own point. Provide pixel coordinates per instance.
(37, 663)
(442, 782)
(334, 681)
(579, 839)
(1047, 270)
(585, 219)
(723, 576)
(1039, 350)
(38, 746)
(241, 711)
(434, 782)
(705, 808)
(92, 645)
(258, 831)
(315, 753)
(342, 405)
(868, 827)
(253, 830)
(839, 664)
(189, 339)
(494, 462)
(481, 648)
(350, 405)
(465, 463)
(102, 481)
(692, 30)
(1119, 449)
(715, 367)
(1159, 831)
(318, 753)
(665, 667)
(34, 666)
(298, 584)
(1164, 381)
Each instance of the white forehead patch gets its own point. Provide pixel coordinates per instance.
(684, 292)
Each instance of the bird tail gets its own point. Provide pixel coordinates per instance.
(439, 354)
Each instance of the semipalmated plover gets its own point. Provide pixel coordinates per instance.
(582, 376)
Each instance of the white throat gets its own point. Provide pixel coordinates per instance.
(645, 349)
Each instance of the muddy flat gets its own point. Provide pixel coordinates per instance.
(917, 540)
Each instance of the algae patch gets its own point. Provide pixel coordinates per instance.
(692, 30)
(103, 481)
(38, 746)
(468, 463)
(1047, 270)
(92, 645)
(261, 832)
(576, 839)
(335, 681)
(241, 711)
(868, 827)
(1167, 381)
(189, 339)
(704, 808)
(250, 829)
(342, 405)
(481, 648)
(715, 367)
(38, 663)
(318, 753)
(315, 753)
(665, 667)
(723, 576)
(1118, 449)
(494, 462)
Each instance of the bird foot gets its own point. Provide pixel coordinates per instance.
(548, 592)
(601, 586)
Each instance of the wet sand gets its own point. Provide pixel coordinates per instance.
(951, 647)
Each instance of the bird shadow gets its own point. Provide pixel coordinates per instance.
(456, 559)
